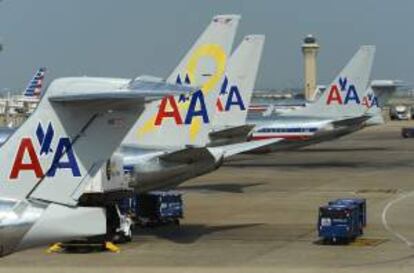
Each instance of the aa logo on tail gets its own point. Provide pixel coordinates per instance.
(343, 93)
(370, 101)
(28, 159)
(169, 107)
(233, 97)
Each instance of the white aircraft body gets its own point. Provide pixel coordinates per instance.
(60, 148)
(343, 108)
(171, 141)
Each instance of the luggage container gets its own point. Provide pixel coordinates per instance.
(339, 223)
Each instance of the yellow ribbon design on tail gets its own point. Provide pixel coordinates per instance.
(208, 50)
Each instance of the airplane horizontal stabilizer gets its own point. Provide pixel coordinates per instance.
(351, 121)
(194, 154)
(239, 148)
(238, 131)
(146, 92)
(187, 155)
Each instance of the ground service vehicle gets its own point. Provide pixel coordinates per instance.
(339, 223)
(407, 132)
(153, 208)
(400, 112)
(360, 202)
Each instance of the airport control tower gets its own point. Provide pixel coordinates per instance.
(310, 51)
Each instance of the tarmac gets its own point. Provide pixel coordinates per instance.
(258, 213)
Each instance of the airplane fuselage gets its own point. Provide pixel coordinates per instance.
(297, 132)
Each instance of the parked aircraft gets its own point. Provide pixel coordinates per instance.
(342, 109)
(156, 168)
(169, 143)
(58, 149)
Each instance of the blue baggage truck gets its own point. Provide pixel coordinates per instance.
(360, 202)
(154, 208)
(339, 223)
(407, 132)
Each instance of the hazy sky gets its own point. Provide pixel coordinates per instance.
(126, 38)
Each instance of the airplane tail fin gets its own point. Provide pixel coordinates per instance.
(210, 50)
(343, 96)
(237, 88)
(374, 108)
(34, 88)
(77, 126)
(186, 120)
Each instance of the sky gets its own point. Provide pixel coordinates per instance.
(128, 38)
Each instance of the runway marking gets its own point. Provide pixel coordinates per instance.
(388, 227)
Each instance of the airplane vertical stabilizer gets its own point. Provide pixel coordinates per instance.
(34, 88)
(343, 97)
(77, 126)
(374, 108)
(237, 88)
(214, 43)
(186, 120)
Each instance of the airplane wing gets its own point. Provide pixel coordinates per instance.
(351, 121)
(227, 151)
(238, 132)
(192, 154)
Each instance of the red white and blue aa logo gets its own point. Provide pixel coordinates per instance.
(343, 93)
(170, 108)
(233, 97)
(28, 158)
